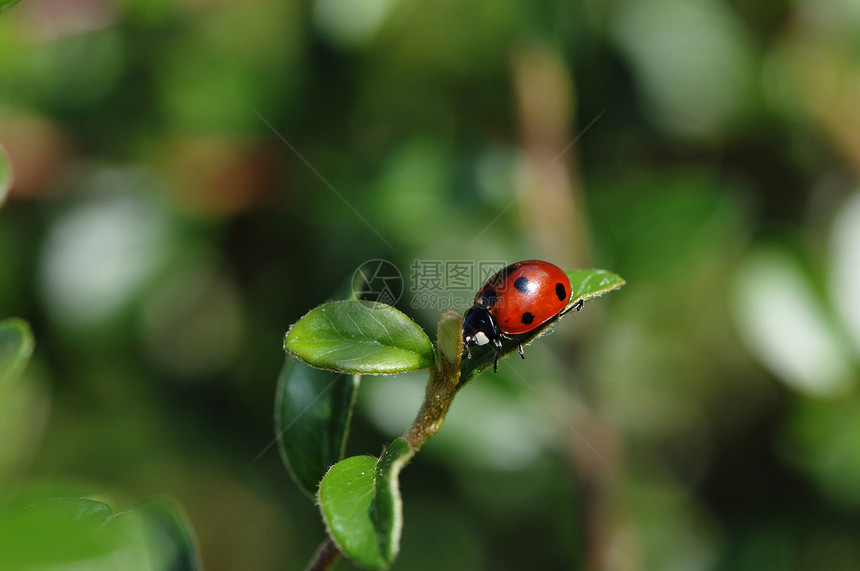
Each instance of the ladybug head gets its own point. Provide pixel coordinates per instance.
(479, 328)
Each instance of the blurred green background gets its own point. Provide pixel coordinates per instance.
(191, 176)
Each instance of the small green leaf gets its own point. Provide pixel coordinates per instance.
(360, 502)
(56, 531)
(171, 542)
(6, 4)
(65, 532)
(16, 347)
(312, 412)
(588, 284)
(584, 285)
(5, 165)
(360, 337)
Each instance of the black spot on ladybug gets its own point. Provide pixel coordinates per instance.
(527, 318)
(522, 284)
(559, 291)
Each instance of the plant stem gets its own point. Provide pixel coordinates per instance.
(443, 382)
(437, 400)
(326, 556)
(441, 387)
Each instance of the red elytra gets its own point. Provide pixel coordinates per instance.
(516, 300)
(525, 295)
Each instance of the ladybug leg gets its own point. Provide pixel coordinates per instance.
(577, 306)
(498, 343)
(467, 350)
(520, 347)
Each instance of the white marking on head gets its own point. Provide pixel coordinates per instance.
(481, 338)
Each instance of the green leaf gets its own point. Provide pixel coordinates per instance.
(360, 502)
(5, 5)
(24, 402)
(171, 541)
(5, 167)
(312, 413)
(54, 531)
(85, 533)
(16, 347)
(588, 284)
(360, 337)
(584, 285)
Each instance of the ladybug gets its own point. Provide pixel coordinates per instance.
(518, 299)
